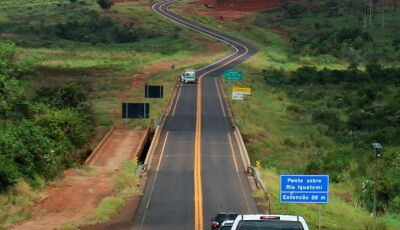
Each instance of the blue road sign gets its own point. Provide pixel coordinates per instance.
(304, 189)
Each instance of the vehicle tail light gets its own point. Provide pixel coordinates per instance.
(215, 225)
(270, 218)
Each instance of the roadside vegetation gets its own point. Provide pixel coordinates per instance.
(325, 85)
(65, 68)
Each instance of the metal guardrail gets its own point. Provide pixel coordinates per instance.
(141, 169)
(256, 174)
(159, 128)
(242, 147)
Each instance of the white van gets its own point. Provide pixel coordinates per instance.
(262, 221)
(188, 75)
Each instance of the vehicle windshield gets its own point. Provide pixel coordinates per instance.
(225, 228)
(270, 225)
(190, 74)
(221, 217)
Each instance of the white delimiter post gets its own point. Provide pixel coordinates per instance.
(319, 216)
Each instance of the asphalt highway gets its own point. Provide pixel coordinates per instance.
(197, 170)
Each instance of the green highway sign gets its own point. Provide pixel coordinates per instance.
(230, 75)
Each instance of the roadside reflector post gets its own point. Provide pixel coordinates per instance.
(258, 164)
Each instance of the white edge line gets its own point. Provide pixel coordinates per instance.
(219, 96)
(155, 179)
(176, 102)
(237, 173)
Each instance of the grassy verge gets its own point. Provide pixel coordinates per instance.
(126, 186)
(13, 204)
(338, 214)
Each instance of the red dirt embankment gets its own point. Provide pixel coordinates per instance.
(74, 198)
(230, 9)
(240, 5)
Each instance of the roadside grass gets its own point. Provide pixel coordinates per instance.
(126, 181)
(109, 207)
(126, 185)
(272, 135)
(337, 214)
(14, 203)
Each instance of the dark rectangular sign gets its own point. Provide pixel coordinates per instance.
(135, 110)
(154, 91)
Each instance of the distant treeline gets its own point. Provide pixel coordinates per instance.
(79, 24)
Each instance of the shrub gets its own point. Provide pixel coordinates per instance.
(9, 172)
(105, 4)
(71, 95)
(329, 117)
(108, 207)
(293, 9)
(274, 76)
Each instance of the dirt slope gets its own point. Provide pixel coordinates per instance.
(74, 198)
(240, 5)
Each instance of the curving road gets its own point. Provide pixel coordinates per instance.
(197, 170)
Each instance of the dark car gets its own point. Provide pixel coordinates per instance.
(217, 220)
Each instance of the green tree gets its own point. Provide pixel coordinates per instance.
(293, 9)
(12, 91)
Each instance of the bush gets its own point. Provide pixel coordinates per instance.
(72, 95)
(108, 207)
(293, 9)
(105, 4)
(94, 28)
(9, 172)
(335, 163)
(329, 117)
(274, 76)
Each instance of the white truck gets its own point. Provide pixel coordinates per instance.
(188, 75)
(262, 221)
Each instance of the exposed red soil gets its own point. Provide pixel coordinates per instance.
(120, 146)
(240, 5)
(69, 200)
(74, 198)
(230, 9)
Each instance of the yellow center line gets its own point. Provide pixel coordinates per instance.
(198, 193)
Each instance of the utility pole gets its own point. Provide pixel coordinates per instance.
(378, 148)
(370, 12)
(383, 13)
(365, 14)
